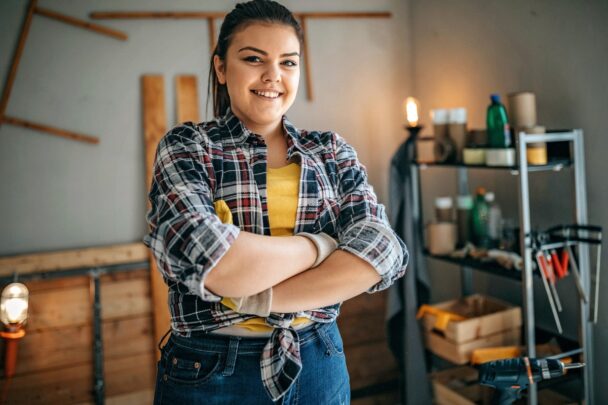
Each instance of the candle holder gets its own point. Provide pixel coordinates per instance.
(410, 142)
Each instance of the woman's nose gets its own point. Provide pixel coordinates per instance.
(272, 74)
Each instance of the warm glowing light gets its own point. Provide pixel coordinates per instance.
(411, 111)
(14, 304)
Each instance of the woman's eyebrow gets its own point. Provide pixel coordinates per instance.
(251, 48)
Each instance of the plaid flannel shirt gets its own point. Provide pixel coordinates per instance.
(198, 164)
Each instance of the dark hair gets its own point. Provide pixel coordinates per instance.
(243, 15)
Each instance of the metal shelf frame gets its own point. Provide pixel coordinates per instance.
(522, 170)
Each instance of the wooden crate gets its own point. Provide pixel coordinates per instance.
(486, 316)
(458, 386)
(490, 322)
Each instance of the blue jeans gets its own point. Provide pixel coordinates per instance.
(220, 369)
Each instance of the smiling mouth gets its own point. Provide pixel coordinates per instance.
(270, 95)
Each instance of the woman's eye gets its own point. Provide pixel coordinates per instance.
(252, 59)
(290, 63)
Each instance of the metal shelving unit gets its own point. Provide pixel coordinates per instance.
(526, 275)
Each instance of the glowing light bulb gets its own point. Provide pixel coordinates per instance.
(14, 304)
(411, 111)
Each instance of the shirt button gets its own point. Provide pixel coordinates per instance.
(174, 360)
(197, 365)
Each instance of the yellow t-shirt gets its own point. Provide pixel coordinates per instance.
(283, 185)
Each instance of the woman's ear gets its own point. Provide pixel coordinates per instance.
(220, 69)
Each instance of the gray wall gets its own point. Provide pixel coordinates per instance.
(60, 194)
(465, 50)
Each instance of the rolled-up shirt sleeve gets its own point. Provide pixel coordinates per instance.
(363, 226)
(185, 235)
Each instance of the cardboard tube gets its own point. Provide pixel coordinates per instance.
(441, 237)
(522, 109)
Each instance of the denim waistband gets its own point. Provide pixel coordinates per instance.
(215, 343)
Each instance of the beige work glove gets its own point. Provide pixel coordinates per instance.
(325, 245)
(258, 304)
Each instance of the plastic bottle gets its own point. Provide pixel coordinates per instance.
(465, 207)
(480, 217)
(497, 123)
(494, 220)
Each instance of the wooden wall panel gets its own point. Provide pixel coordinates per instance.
(70, 385)
(187, 98)
(61, 347)
(155, 127)
(71, 306)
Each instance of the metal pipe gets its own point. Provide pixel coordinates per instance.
(98, 378)
(526, 274)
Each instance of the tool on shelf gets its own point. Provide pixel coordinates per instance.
(553, 268)
(511, 376)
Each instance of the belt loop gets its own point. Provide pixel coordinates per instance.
(233, 349)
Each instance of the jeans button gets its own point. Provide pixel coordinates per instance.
(197, 365)
(165, 377)
(174, 360)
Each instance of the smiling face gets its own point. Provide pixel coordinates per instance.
(261, 71)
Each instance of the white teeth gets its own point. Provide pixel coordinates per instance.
(268, 94)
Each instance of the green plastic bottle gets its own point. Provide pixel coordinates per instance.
(497, 124)
(480, 217)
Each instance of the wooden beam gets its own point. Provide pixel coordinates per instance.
(187, 98)
(381, 14)
(132, 15)
(212, 35)
(71, 259)
(74, 136)
(10, 79)
(306, 59)
(135, 15)
(155, 127)
(81, 23)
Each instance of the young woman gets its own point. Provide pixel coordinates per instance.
(261, 230)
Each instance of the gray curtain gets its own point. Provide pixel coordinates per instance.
(412, 290)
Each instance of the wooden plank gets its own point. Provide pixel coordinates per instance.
(155, 127)
(63, 133)
(187, 98)
(70, 282)
(370, 364)
(307, 63)
(72, 306)
(212, 35)
(384, 398)
(361, 330)
(74, 384)
(131, 15)
(145, 397)
(364, 304)
(81, 23)
(10, 79)
(460, 353)
(73, 345)
(72, 259)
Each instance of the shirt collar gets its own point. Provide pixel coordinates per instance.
(306, 142)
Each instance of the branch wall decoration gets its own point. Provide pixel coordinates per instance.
(8, 85)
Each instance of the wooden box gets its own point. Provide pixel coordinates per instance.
(490, 322)
(459, 386)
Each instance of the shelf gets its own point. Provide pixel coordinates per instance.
(490, 267)
(555, 165)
